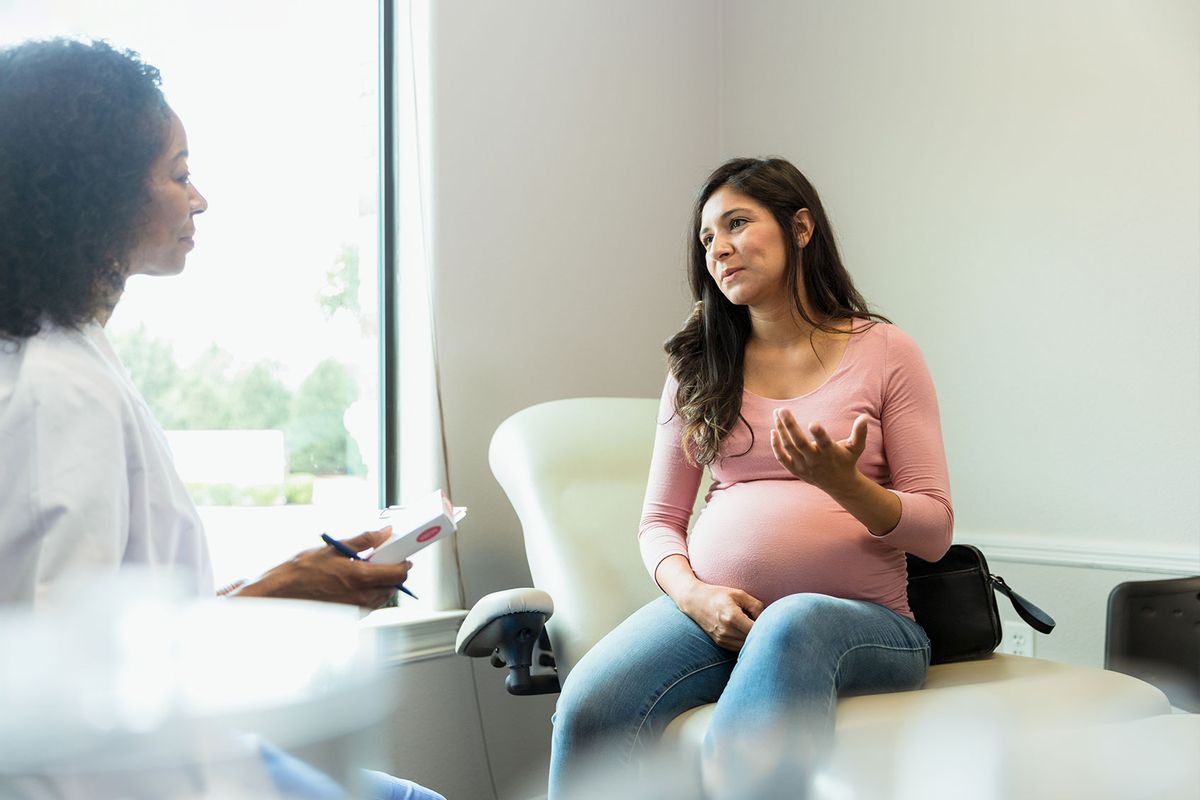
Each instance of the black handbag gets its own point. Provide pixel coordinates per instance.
(954, 600)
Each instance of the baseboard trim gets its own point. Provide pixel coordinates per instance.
(1095, 554)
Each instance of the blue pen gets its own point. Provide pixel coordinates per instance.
(348, 553)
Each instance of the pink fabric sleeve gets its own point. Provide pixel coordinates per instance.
(670, 490)
(912, 441)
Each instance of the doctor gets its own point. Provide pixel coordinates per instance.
(94, 188)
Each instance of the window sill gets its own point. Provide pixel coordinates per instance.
(405, 636)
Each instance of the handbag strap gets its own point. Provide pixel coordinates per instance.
(1037, 619)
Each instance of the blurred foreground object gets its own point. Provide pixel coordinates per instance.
(136, 691)
(953, 748)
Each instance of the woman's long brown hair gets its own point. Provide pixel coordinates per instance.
(707, 355)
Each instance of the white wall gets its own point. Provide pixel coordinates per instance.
(569, 138)
(1018, 185)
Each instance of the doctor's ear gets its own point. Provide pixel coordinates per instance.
(803, 226)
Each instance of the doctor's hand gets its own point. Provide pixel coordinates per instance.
(323, 573)
(813, 457)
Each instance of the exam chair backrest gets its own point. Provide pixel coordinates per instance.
(575, 472)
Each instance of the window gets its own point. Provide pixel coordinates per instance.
(263, 359)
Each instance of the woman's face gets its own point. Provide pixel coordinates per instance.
(167, 228)
(745, 249)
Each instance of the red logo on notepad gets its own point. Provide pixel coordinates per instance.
(429, 533)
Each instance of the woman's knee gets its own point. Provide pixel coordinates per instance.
(803, 618)
(816, 630)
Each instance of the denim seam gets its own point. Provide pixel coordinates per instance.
(837, 670)
(637, 734)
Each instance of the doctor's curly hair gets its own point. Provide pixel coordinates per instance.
(80, 125)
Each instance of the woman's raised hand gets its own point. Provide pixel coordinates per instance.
(819, 460)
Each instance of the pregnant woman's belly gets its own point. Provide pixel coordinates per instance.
(772, 538)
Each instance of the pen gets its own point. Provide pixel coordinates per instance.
(348, 553)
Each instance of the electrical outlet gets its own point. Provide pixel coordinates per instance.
(1018, 638)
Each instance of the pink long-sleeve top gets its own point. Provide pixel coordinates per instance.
(770, 534)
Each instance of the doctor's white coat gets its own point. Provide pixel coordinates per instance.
(86, 476)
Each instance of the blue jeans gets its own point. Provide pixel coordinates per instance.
(780, 690)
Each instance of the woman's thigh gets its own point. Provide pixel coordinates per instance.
(649, 669)
(807, 649)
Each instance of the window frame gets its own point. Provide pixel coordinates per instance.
(389, 340)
